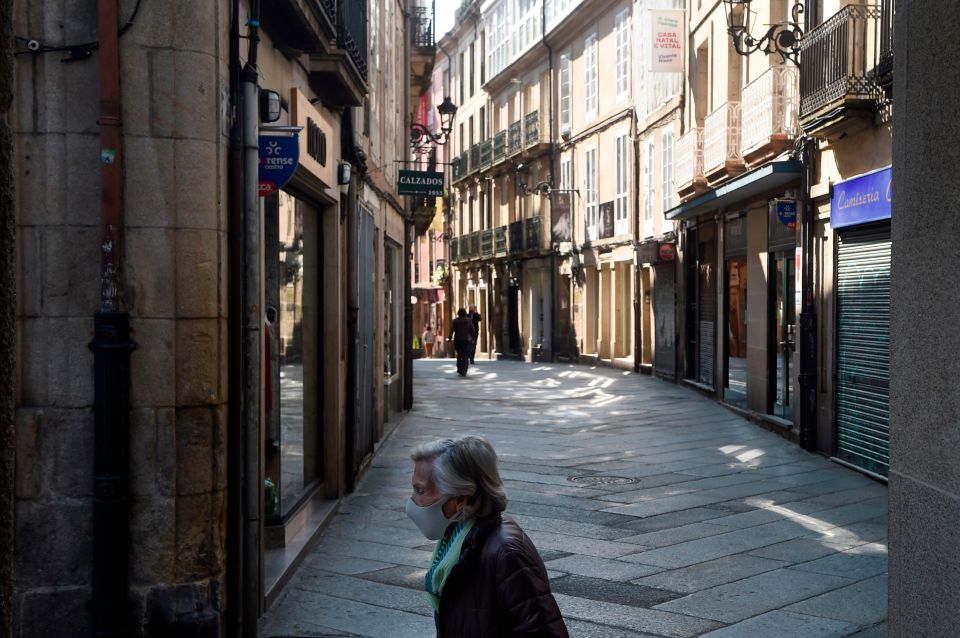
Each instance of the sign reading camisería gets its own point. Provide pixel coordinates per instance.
(420, 183)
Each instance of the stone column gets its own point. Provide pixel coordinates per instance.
(925, 314)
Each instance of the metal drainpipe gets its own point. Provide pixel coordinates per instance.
(111, 348)
(235, 518)
(408, 230)
(637, 301)
(252, 342)
(553, 171)
(808, 313)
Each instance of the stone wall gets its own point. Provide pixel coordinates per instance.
(173, 82)
(925, 313)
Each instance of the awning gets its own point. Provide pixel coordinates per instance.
(769, 177)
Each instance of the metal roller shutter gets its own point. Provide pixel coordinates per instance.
(863, 348)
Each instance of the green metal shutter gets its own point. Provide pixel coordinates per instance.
(863, 348)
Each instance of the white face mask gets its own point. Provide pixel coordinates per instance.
(430, 519)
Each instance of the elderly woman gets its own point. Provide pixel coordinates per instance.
(486, 578)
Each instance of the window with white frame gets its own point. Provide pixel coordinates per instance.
(566, 173)
(590, 191)
(590, 76)
(564, 92)
(622, 68)
(648, 182)
(621, 225)
(666, 192)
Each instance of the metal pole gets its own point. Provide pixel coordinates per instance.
(252, 342)
(111, 347)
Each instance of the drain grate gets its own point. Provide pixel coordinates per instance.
(591, 479)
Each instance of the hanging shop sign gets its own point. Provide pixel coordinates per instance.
(654, 252)
(321, 150)
(278, 161)
(665, 43)
(420, 183)
(786, 211)
(560, 210)
(863, 199)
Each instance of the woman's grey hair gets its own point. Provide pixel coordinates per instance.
(463, 467)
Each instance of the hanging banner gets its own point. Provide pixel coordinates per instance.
(665, 48)
(278, 161)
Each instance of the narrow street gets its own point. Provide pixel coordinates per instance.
(657, 512)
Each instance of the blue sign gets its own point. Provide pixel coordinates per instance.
(279, 155)
(787, 212)
(862, 199)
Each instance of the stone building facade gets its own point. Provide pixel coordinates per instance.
(217, 517)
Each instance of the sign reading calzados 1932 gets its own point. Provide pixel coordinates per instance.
(420, 183)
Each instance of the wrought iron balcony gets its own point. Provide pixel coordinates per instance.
(352, 32)
(499, 147)
(475, 243)
(515, 138)
(486, 243)
(769, 108)
(533, 233)
(455, 249)
(688, 166)
(721, 139)
(531, 128)
(885, 64)
(500, 240)
(486, 153)
(515, 231)
(459, 167)
(839, 60)
(464, 247)
(474, 158)
(421, 27)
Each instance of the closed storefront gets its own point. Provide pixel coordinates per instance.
(860, 212)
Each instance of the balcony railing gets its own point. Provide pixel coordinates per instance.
(486, 153)
(721, 137)
(533, 233)
(329, 9)
(486, 243)
(459, 167)
(515, 138)
(839, 59)
(769, 108)
(455, 249)
(500, 240)
(421, 27)
(885, 64)
(475, 243)
(499, 146)
(474, 158)
(464, 247)
(531, 127)
(515, 230)
(688, 167)
(352, 32)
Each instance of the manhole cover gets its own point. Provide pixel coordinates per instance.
(603, 480)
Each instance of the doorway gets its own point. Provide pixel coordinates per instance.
(735, 316)
(782, 334)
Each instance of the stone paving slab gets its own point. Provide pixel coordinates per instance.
(715, 525)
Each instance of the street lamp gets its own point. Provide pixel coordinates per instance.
(782, 38)
(418, 131)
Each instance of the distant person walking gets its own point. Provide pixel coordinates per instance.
(486, 579)
(475, 319)
(428, 340)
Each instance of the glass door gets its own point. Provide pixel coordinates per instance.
(782, 332)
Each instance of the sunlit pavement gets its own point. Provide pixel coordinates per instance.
(657, 511)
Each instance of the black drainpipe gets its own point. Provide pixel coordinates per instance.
(111, 348)
(553, 172)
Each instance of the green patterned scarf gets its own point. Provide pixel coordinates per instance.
(445, 556)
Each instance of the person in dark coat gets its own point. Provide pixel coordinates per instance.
(486, 579)
(462, 330)
(475, 318)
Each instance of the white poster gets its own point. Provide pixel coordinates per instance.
(666, 40)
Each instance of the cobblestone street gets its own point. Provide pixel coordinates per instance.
(657, 511)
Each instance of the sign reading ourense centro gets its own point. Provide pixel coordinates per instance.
(420, 183)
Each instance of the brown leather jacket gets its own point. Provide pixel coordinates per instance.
(499, 589)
